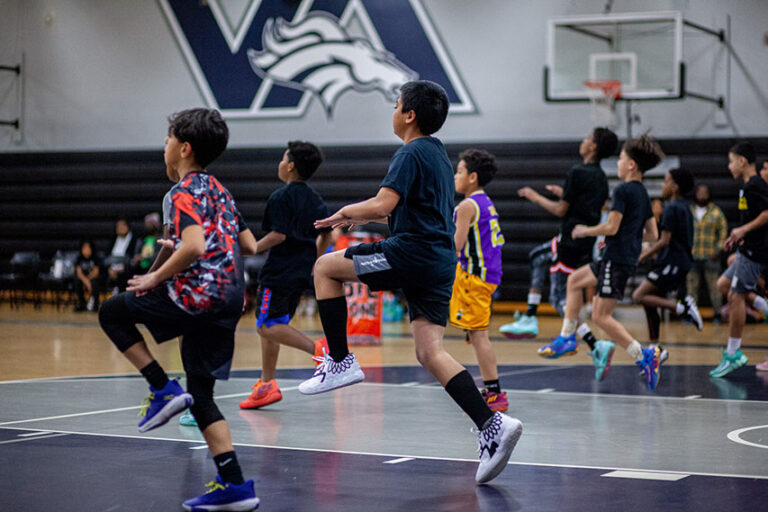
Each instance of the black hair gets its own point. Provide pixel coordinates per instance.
(481, 162)
(306, 157)
(645, 151)
(88, 241)
(684, 180)
(428, 101)
(745, 149)
(606, 142)
(204, 129)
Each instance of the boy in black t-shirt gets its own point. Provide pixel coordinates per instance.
(420, 257)
(739, 281)
(674, 261)
(87, 267)
(196, 293)
(629, 223)
(581, 200)
(294, 244)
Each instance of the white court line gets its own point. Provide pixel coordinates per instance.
(201, 447)
(59, 434)
(647, 475)
(32, 434)
(538, 369)
(692, 397)
(412, 383)
(398, 461)
(735, 436)
(400, 455)
(545, 390)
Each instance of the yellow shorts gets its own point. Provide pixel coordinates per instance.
(470, 302)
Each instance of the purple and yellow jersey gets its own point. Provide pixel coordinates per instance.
(481, 254)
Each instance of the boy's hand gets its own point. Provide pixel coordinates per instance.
(165, 242)
(734, 239)
(556, 190)
(579, 231)
(143, 283)
(338, 220)
(527, 192)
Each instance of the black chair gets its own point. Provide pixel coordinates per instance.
(58, 281)
(23, 280)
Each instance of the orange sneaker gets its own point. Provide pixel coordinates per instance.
(264, 393)
(321, 348)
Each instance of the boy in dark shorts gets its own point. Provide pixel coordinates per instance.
(198, 294)
(630, 221)
(739, 281)
(581, 200)
(420, 258)
(674, 261)
(294, 244)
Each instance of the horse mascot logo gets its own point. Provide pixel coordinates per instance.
(317, 54)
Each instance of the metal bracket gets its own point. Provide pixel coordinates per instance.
(16, 123)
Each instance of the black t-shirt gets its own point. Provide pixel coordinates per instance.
(631, 200)
(753, 200)
(422, 222)
(678, 220)
(585, 190)
(292, 210)
(87, 265)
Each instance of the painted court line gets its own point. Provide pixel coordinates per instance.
(646, 475)
(33, 434)
(59, 434)
(398, 461)
(692, 397)
(401, 456)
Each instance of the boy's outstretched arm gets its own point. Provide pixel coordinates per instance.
(248, 244)
(607, 228)
(557, 208)
(737, 234)
(191, 248)
(465, 216)
(270, 240)
(165, 251)
(322, 242)
(662, 242)
(375, 209)
(650, 230)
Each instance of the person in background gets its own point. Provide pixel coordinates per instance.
(149, 247)
(118, 261)
(87, 277)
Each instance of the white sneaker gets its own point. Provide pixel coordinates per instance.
(330, 375)
(496, 442)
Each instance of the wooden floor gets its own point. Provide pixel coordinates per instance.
(47, 342)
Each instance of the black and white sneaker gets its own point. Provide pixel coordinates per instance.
(691, 312)
(496, 442)
(330, 375)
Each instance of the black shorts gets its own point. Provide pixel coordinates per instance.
(276, 305)
(668, 278)
(208, 339)
(428, 293)
(568, 258)
(611, 278)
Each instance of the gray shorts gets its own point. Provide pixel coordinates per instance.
(743, 274)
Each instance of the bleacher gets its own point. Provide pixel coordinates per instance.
(49, 201)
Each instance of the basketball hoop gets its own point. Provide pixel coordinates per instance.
(602, 97)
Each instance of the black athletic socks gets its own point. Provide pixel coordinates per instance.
(590, 339)
(464, 392)
(333, 316)
(155, 375)
(229, 468)
(532, 309)
(492, 385)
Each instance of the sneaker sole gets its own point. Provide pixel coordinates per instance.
(607, 364)
(171, 409)
(357, 379)
(240, 506)
(257, 406)
(556, 356)
(508, 445)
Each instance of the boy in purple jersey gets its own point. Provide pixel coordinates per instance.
(478, 241)
(196, 293)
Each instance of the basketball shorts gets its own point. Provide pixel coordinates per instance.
(611, 278)
(470, 307)
(428, 292)
(668, 278)
(744, 274)
(276, 305)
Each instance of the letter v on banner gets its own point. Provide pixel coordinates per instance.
(273, 58)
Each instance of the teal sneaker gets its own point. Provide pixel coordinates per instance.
(560, 346)
(187, 420)
(729, 363)
(526, 327)
(601, 358)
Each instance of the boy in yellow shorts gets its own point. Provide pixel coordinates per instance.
(478, 242)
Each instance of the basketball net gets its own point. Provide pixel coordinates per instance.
(602, 97)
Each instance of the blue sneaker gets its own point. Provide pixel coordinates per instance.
(560, 346)
(729, 363)
(601, 358)
(650, 366)
(163, 404)
(225, 496)
(187, 420)
(525, 327)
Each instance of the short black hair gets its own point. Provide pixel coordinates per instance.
(645, 151)
(306, 157)
(204, 129)
(684, 180)
(745, 149)
(428, 101)
(606, 142)
(481, 162)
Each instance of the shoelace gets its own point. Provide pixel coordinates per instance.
(214, 486)
(145, 405)
(320, 359)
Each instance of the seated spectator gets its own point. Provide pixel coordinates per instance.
(148, 248)
(118, 262)
(87, 277)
